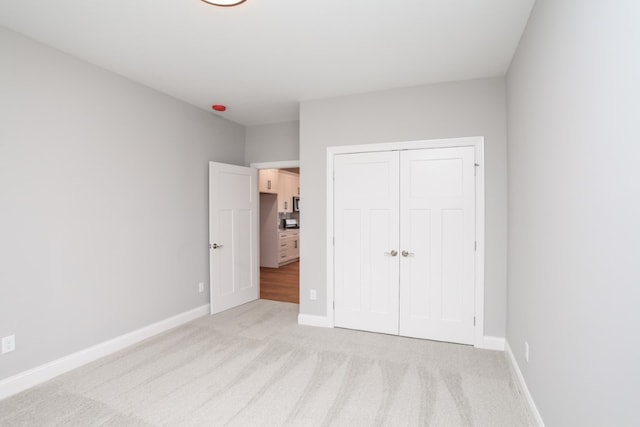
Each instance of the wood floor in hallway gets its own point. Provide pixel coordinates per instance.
(281, 284)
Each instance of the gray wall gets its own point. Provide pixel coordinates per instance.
(469, 108)
(103, 203)
(272, 142)
(574, 211)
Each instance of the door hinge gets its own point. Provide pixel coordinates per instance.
(475, 245)
(334, 305)
(474, 320)
(475, 170)
(209, 245)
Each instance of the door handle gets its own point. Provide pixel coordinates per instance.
(215, 246)
(407, 253)
(392, 253)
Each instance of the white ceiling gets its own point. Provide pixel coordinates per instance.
(264, 56)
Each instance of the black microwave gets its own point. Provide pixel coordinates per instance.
(296, 203)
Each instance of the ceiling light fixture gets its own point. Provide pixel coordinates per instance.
(224, 3)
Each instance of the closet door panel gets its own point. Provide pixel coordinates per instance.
(437, 235)
(366, 241)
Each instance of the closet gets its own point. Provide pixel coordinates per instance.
(404, 249)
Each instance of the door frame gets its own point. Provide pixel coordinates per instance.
(283, 164)
(478, 143)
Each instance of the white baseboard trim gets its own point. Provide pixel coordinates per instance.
(42, 373)
(492, 343)
(311, 320)
(523, 385)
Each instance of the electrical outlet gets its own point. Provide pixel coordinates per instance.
(526, 352)
(312, 295)
(8, 344)
(201, 287)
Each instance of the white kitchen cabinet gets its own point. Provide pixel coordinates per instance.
(289, 246)
(288, 185)
(269, 180)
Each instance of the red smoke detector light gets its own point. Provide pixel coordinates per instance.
(219, 107)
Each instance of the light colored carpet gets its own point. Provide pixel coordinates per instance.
(254, 366)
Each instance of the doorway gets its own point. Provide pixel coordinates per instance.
(279, 231)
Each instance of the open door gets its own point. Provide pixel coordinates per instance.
(233, 235)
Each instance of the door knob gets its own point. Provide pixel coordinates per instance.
(407, 253)
(392, 253)
(216, 246)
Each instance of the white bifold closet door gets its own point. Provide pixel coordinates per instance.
(366, 222)
(405, 242)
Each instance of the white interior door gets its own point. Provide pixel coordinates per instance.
(437, 234)
(233, 235)
(366, 241)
